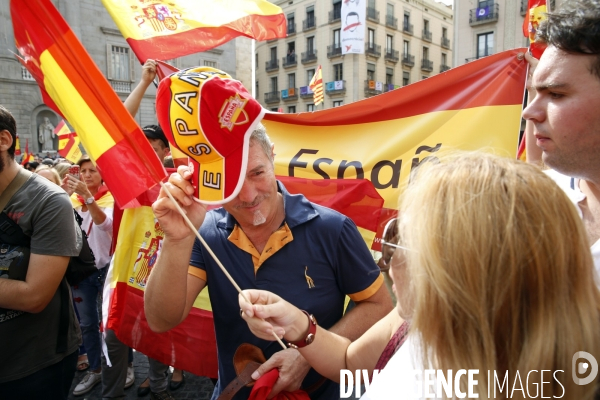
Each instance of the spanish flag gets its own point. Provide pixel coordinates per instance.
(476, 106)
(73, 86)
(18, 146)
(316, 85)
(26, 156)
(167, 30)
(536, 13)
(68, 142)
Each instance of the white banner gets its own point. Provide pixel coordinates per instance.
(353, 26)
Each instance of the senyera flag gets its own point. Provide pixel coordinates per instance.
(73, 86)
(383, 138)
(316, 85)
(536, 13)
(191, 345)
(68, 142)
(170, 29)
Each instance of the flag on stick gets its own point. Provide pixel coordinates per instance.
(73, 86)
(316, 85)
(17, 146)
(536, 13)
(26, 156)
(68, 142)
(180, 27)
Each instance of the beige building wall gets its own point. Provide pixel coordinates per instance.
(385, 18)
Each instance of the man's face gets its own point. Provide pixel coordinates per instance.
(159, 148)
(257, 201)
(566, 113)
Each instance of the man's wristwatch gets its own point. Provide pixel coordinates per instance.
(310, 337)
(89, 200)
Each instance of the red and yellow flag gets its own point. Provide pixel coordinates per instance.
(382, 139)
(164, 29)
(17, 146)
(536, 13)
(26, 156)
(316, 85)
(73, 86)
(68, 142)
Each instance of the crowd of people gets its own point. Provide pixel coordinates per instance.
(494, 263)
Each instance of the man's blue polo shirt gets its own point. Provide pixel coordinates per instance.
(323, 259)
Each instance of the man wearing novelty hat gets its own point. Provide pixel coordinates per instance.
(265, 237)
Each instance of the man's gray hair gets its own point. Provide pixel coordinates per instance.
(260, 137)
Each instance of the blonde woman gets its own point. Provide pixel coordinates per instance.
(49, 173)
(493, 272)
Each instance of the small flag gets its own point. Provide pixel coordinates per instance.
(316, 85)
(26, 156)
(68, 143)
(18, 146)
(536, 13)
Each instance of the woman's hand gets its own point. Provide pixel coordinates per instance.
(74, 185)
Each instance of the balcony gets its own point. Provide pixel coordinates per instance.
(373, 88)
(373, 50)
(291, 29)
(391, 55)
(408, 60)
(426, 65)
(444, 68)
(407, 28)
(289, 94)
(335, 50)
(335, 87)
(309, 24)
(427, 35)
(272, 65)
(309, 57)
(305, 92)
(389, 87)
(391, 22)
(26, 76)
(120, 86)
(335, 15)
(524, 7)
(484, 15)
(289, 61)
(445, 42)
(272, 97)
(372, 14)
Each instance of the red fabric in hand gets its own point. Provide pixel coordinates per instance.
(264, 385)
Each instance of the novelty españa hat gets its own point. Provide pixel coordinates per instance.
(210, 117)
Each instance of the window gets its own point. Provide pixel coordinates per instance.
(273, 53)
(390, 10)
(309, 75)
(405, 78)
(256, 60)
(406, 21)
(274, 84)
(445, 33)
(274, 109)
(406, 48)
(337, 103)
(291, 48)
(389, 43)
(338, 72)
(291, 21)
(424, 77)
(256, 89)
(426, 25)
(370, 71)
(310, 45)
(209, 63)
(310, 16)
(425, 53)
(291, 81)
(337, 8)
(485, 44)
(371, 43)
(310, 107)
(120, 64)
(444, 59)
(336, 39)
(389, 76)
(291, 109)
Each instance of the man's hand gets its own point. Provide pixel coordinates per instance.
(172, 223)
(292, 370)
(148, 71)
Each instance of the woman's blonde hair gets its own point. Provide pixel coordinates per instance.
(55, 177)
(62, 168)
(501, 276)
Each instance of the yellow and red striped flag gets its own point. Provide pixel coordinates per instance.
(536, 13)
(68, 142)
(476, 106)
(26, 156)
(18, 146)
(316, 85)
(73, 86)
(166, 30)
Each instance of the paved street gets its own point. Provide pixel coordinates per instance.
(195, 387)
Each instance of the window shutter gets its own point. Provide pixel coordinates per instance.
(109, 72)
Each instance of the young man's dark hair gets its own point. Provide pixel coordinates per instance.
(574, 28)
(7, 122)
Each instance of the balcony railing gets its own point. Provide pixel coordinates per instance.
(272, 65)
(444, 68)
(306, 93)
(373, 50)
(391, 55)
(335, 15)
(272, 97)
(391, 22)
(372, 14)
(427, 35)
(335, 87)
(371, 88)
(445, 42)
(291, 29)
(289, 61)
(309, 56)
(310, 23)
(408, 60)
(426, 65)
(407, 28)
(289, 94)
(334, 50)
(483, 15)
(26, 76)
(121, 86)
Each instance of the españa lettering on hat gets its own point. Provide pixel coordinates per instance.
(209, 116)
